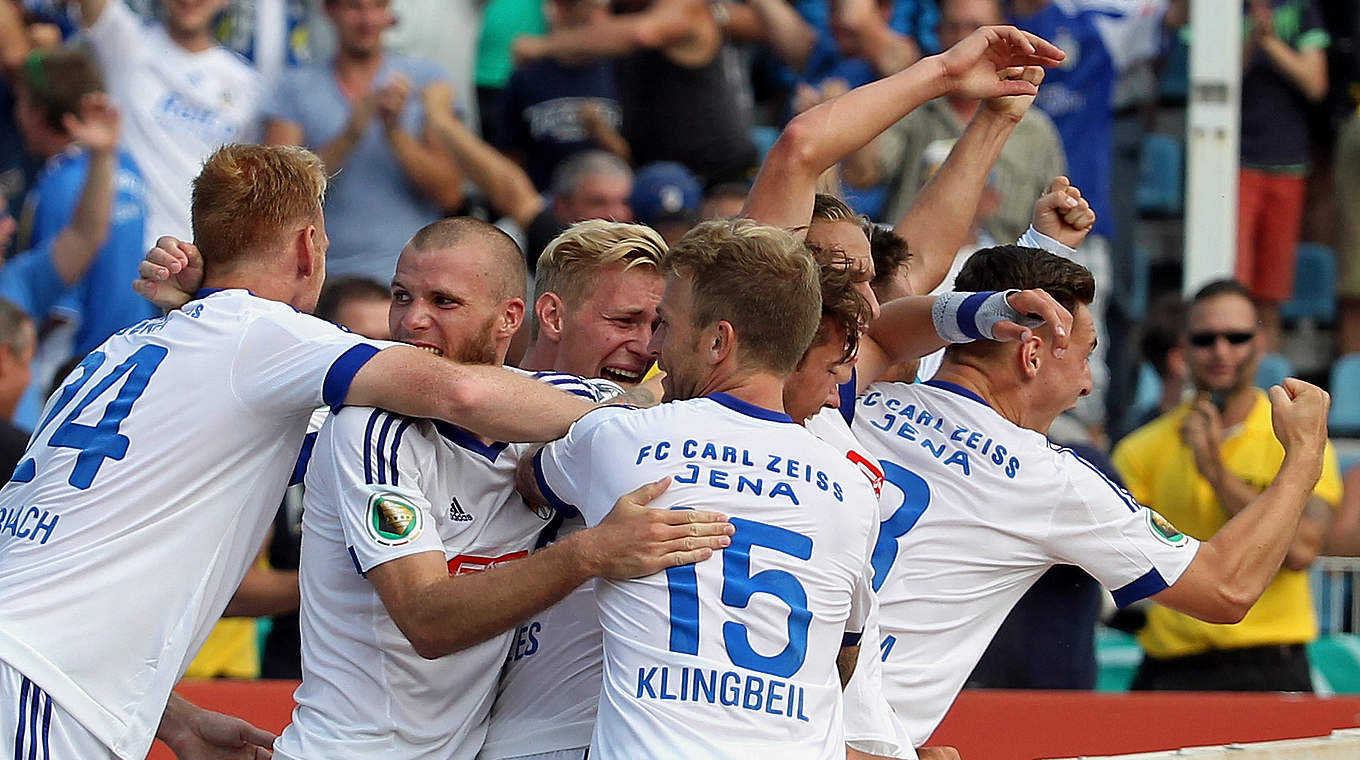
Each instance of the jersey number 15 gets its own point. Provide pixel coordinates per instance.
(739, 585)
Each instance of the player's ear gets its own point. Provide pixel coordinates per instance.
(512, 316)
(307, 250)
(722, 342)
(1030, 355)
(548, 310)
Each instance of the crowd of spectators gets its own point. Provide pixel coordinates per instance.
(536, 115)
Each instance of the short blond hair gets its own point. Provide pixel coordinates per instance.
(569, 263)
(248, 196)
(760, 279)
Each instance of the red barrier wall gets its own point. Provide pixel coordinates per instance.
(991, 725)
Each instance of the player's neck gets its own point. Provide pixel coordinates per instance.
(761, 389)
(540, 357)
(192, 40)
(1004, 401)
(267, 285)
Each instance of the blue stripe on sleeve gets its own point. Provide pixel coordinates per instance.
(378, 447)
(19, 732)
(47, 725)
(304, 456)
(342, 372)
(554, 500)
(1123, 495)
(368, 446)
(967, 314)
(396, 444)
(1148, 584)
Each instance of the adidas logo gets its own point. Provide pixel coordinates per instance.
(456, 512)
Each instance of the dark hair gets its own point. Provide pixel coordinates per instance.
(889, 251)
(56, 80)
(1224, 287)
(1004, 267)
(843, 305)
(343, 290)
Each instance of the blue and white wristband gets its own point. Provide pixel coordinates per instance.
(966, 317)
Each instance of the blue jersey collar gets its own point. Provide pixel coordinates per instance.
(749, 409)
(957, 389)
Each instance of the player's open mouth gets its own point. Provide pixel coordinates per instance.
(616, 375)
(431, 349)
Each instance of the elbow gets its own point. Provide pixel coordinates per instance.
(796, 147)
(1230, 605)
(1301, 556)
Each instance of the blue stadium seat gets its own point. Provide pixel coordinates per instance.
(1161, 173)
(764, 138)
(1344, 418)
(1314, 285)
(1274, 368)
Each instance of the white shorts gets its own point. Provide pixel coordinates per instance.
(33, 727)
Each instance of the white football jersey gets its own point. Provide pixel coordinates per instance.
(381, 487)
(145, 493)
(178, 107)
(736, 654)
(974, 509)
(550, 685)
(870, 724)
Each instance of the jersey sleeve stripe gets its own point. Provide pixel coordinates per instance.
(378, 447)
(1124, 495)
(368, 446)
(554, 500)
(1148, 584)
(396, 445)
(304, 457)
(338, 378)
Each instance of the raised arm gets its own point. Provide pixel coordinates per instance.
(940, 220)
(76, 246)
(1306, 69)
(787, 34)
(824, 135)
(685, 29)
(504, 182)
(1230, 571)
(426, 166)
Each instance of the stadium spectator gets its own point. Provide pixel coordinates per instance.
(724, 201)
(678, 103)
(502, 22)
(36, 279)
(1346, 185)
(552, 109)
(1200, 466)
(1161, 346)
(356, 304)
(182, 96)
(1285, 73)
(1031, 157)
(360, 113)
(589, 185)
(17, 340)
(50, 88)
(666, 197)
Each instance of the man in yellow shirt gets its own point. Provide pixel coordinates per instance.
(1202, 463)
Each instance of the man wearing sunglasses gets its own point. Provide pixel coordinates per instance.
(1200, 464)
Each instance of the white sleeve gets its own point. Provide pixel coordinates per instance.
(372, 462)
(1099, 527)
(871, 726)
(118, 38)
(564, 469)
(288, 361)
(1036, 239)
(864, 602)
(1130, 29)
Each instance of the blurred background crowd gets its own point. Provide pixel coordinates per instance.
(659, 111)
